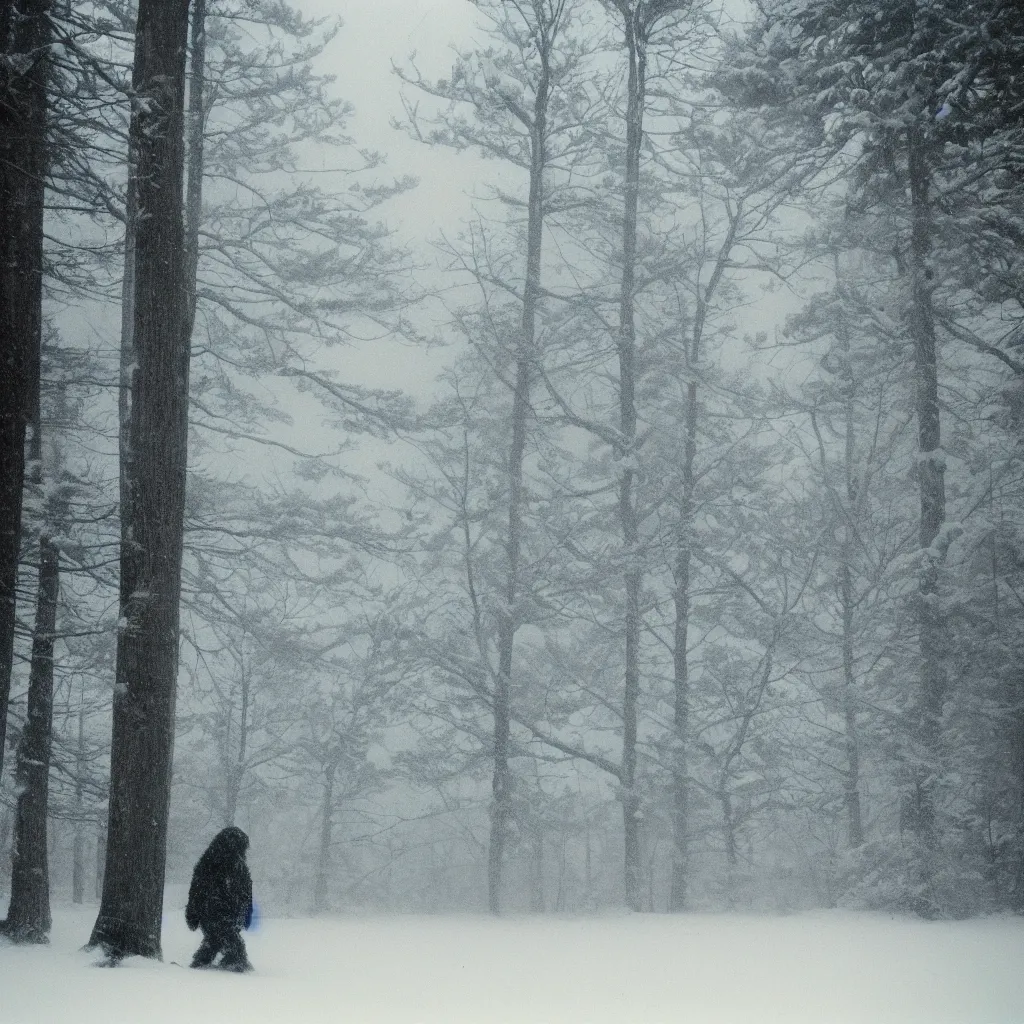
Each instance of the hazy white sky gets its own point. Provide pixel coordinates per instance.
(377, 33)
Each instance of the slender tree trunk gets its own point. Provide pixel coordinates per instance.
(231, 796)
(729, 835)
(537, 881)
(562, 867)
(628, 521)
(28, 916)
(78, 866)
(851, 737)
(588, 870)
(323, 864)
(502, 783)
(681, 572)
(236, 765)
(728, 827)
(24, 70)
(920, 810)
(681, 667)
(154, 461)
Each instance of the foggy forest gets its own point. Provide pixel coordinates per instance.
(596, 490)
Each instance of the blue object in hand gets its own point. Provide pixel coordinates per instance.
(253, 920)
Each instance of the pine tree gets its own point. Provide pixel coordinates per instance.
(875, 79)
(521, 98)
(154, 461)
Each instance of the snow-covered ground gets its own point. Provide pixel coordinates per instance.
(820, 968)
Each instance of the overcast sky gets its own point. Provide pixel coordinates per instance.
(374, 36)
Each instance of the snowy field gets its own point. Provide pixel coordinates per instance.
(820, 968)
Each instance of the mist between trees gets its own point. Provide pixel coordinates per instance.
(695, 582)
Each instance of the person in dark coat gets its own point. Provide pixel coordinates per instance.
(220, 901)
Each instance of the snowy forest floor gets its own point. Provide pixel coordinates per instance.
(820, 968)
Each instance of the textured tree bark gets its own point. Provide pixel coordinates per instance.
(195, 149)
(24, 34)
(1016, 752)
(154, 455)
(28, 915)
(6, 827)
(101, 860)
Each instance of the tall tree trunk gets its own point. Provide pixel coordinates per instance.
(24, 36)
(729, 836)
(562, 868)
(28, 915)
(501, 808)
(195, 151)
(681, 666)
(681, 573)
(636, 42)
(537, 902)
(919, 801)
(588, 871)
(78, 866)
(323, 863)
(154, 464)
(851, 737)
(78, 854)
(236, 764)
(231, 788)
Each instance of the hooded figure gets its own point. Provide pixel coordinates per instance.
(220, 901)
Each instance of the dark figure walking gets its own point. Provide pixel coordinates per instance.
(220, 901)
